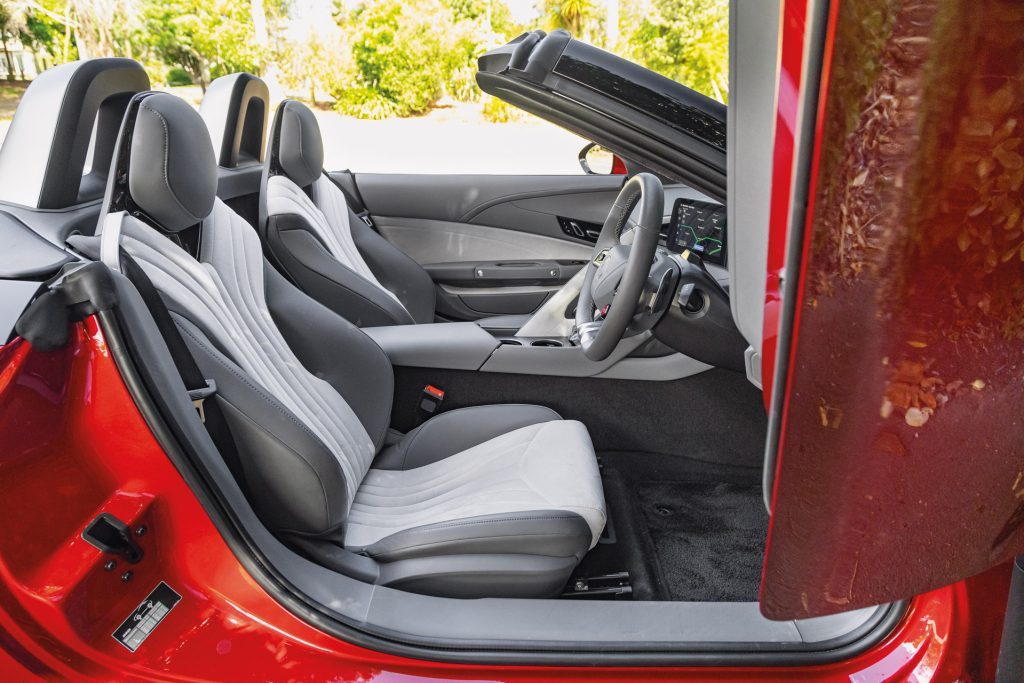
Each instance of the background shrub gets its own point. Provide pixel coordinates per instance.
(178, 76)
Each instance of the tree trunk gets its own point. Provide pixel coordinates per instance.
(7, 55)
(611, 25)
(259, 21)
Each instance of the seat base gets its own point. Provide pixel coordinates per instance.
(498, 501)
(480, 576)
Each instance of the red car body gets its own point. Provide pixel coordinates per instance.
(75, 444)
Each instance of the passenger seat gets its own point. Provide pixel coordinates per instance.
(317, 241)
(488, 501)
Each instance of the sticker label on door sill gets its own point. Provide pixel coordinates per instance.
(146, 617)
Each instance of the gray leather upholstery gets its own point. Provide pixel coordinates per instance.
(175, 184)
(545, 533)
(495, 501)
(300, 148)
(542, 466)
(449, 433)
(450, 346)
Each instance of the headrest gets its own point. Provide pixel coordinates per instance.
(236, 108)
(299, 149)
(172, 172)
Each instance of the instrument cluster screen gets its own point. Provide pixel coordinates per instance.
(699, 227)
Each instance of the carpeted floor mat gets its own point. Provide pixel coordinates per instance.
(684, 529)
(708, 538)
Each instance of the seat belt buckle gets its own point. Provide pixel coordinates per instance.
(430, 401)
(199, 396)
(364, 216)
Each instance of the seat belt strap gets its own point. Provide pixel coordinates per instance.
(200, 390)
(354, 201)
(110, 240)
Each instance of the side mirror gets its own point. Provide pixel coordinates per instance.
(596, 160)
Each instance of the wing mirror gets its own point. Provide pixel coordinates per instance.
(597, 160)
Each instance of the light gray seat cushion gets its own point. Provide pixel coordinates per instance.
(457, 430)
(534, 490)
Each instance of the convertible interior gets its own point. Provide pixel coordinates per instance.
(473, 414)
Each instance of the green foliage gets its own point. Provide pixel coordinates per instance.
(407, 55)
(383, 58)
(311, 66)
(177, 76)
(206, 38)
(688, 41)
(45, 34)
(500, 111)
(365, 103)
(402, 58)
(572, 15)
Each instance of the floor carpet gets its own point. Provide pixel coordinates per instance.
(683, 529)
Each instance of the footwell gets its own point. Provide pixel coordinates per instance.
(683, 529)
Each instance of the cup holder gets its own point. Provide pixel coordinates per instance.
(510, 342)
(546, 343)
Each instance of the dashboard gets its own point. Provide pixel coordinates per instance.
(700, 227)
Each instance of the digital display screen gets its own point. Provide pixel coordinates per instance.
(699, 227)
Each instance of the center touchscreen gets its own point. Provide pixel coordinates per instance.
(700, 227)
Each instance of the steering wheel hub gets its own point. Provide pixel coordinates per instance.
(617, 277)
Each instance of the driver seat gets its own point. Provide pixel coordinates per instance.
(315, 238)
(488, 501)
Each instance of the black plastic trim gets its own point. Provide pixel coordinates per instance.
(628, 139)
(628, 109)
(26, 255)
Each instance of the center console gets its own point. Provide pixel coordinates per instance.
(467, 346)
(455, 346)
(536, 342)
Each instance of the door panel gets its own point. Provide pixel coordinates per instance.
(462, 198)
(901, 443)
(430, 241)
(493, 244)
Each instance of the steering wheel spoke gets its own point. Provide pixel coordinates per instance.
(617, 272)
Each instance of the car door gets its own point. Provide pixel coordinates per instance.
(493, 244)
(896, 410)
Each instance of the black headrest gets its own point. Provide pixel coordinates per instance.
(298, 147)
(172, 172)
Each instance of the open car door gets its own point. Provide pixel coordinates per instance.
(897, 410)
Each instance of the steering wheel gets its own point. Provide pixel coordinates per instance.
(617, 273)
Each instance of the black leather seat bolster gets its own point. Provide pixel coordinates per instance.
(396, 270)
(449, 433)
(335, 350)
(317, 273)
(284, 465)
